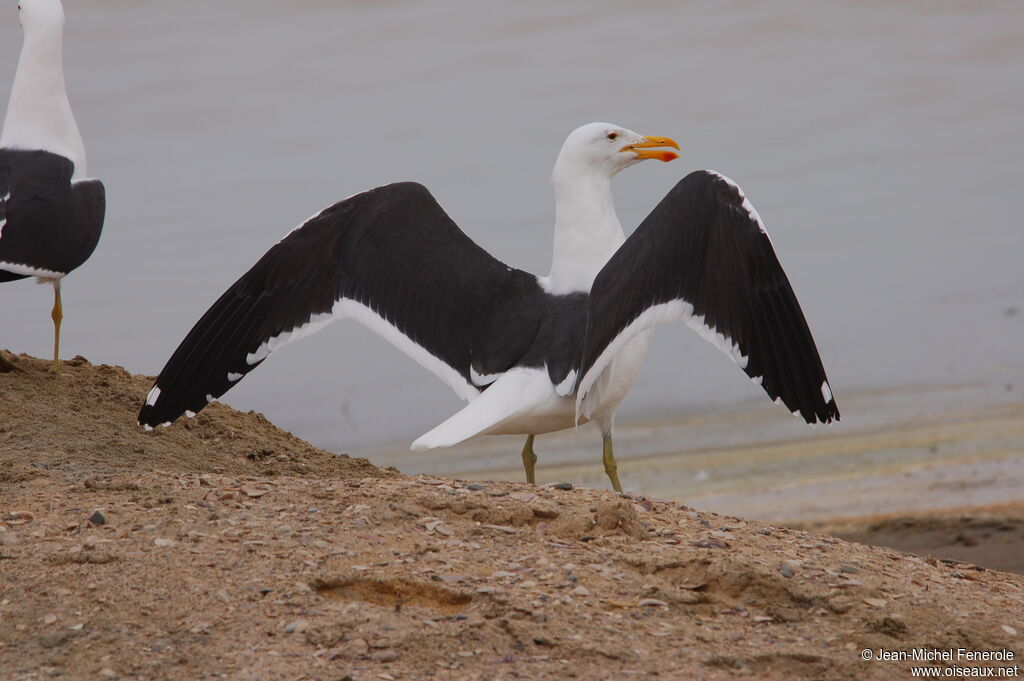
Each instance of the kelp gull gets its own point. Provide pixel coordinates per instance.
(530, 354)
(50, 218)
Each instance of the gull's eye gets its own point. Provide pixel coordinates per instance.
(612, 135)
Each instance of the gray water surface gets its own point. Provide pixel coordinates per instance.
(880, 142)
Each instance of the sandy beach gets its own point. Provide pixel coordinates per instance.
(223, 547)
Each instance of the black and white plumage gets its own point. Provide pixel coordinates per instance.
(704, 258)
(459, 312)
(50, 218)
(49, 224)
(530, 354)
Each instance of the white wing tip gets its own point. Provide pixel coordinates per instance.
(481, 380)
(255, 357)
(564, 389)
(153, 396)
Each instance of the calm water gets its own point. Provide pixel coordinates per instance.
(882, 145)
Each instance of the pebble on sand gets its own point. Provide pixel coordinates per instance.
(19, 517)
(296, 627)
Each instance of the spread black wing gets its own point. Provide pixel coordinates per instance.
(702, 257)
(390, 258)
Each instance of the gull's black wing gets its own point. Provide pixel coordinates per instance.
(391, 259)
(703, 257)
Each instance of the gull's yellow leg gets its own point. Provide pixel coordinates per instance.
(529, 459)
(57, 314)
(609, 464)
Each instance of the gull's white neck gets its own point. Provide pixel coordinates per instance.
(38, 113)
(587, 231)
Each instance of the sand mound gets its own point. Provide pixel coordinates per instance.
(83, 419)
(200, 553)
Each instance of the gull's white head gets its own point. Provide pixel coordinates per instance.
(587, 231)
(38, 114)
(609, 148)
(40, 15)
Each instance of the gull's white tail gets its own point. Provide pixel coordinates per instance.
(517, 402)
